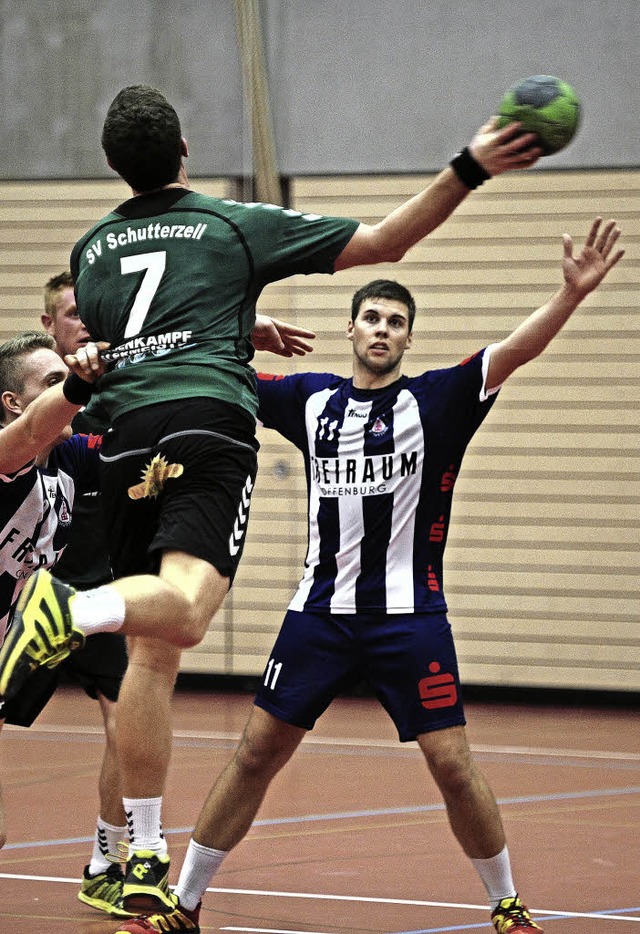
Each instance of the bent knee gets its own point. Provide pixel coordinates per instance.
(188, 638)
(448, 757)
(452, 774)
(266, 744)
(191, 629)
(254, 756)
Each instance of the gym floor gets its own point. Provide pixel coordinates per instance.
(352, 838)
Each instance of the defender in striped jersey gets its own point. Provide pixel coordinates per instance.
(382, 452)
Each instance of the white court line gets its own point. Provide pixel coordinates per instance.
(357, 742)
(361, 899)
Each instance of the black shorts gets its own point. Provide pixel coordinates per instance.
(98, 667)
(178, 476)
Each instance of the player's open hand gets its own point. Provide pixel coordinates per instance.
(281, 338)
(585, 271)
(86, 362)
(506, 149)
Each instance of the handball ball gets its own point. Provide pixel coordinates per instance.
(545, 106)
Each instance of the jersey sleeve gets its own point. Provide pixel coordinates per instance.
(284, 242)
(79, 456)
(463, 401)
(279, 405)
(282, 402)
(469, 395)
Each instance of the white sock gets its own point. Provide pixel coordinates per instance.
(105, 844)
(496, 876)
(144, 820)
(98, 610)
(198, 869)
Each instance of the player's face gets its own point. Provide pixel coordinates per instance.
(43, 368)
(65, 326)
(380, 335)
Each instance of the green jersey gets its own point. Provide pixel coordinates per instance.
(171, 280)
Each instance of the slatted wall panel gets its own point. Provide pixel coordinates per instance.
(542, 572)
(542, 566)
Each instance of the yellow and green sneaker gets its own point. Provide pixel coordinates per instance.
(146, 884)
(41, 632)
(512, 917)
(104, 891)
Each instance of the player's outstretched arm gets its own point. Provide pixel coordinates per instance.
(491, 152)
(45, 420)
(582, 274)
(280, 337)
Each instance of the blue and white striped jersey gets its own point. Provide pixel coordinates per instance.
(381, 467)
(35, 514)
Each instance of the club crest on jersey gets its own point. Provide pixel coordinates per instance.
(62, 510)
(378, 428)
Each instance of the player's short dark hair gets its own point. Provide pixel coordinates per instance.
(52, 289)
(384, 288)
(142, 138)
(12, 354)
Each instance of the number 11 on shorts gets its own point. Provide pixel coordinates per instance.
(271, 674)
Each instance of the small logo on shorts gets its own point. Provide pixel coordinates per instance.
(240, 524)
(154, 477)
(437, 690)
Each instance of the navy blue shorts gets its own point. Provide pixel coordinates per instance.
(409, 660)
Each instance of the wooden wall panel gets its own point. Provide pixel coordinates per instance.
(542, 567)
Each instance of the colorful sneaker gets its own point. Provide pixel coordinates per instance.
(104, 891)
(146, 884)
(41, 633)
(512, 917)
(180, 919)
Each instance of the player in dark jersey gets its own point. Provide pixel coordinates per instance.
(99, 666)
(382, 452)
(42, 468)
(170, 279)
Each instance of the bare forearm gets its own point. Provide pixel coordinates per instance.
(532, 336)
(408, 224)
(48, 415)
(490, 153)
(38, 427)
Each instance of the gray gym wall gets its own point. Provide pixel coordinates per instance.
(361, 86)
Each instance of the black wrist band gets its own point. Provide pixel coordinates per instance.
(76, 390)
(468, 169)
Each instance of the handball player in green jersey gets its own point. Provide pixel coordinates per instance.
(170, 278)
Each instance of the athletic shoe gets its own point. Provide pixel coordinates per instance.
(512, 917)
(180, 919)
(104, 891)
(146, 884)
(41, 633)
